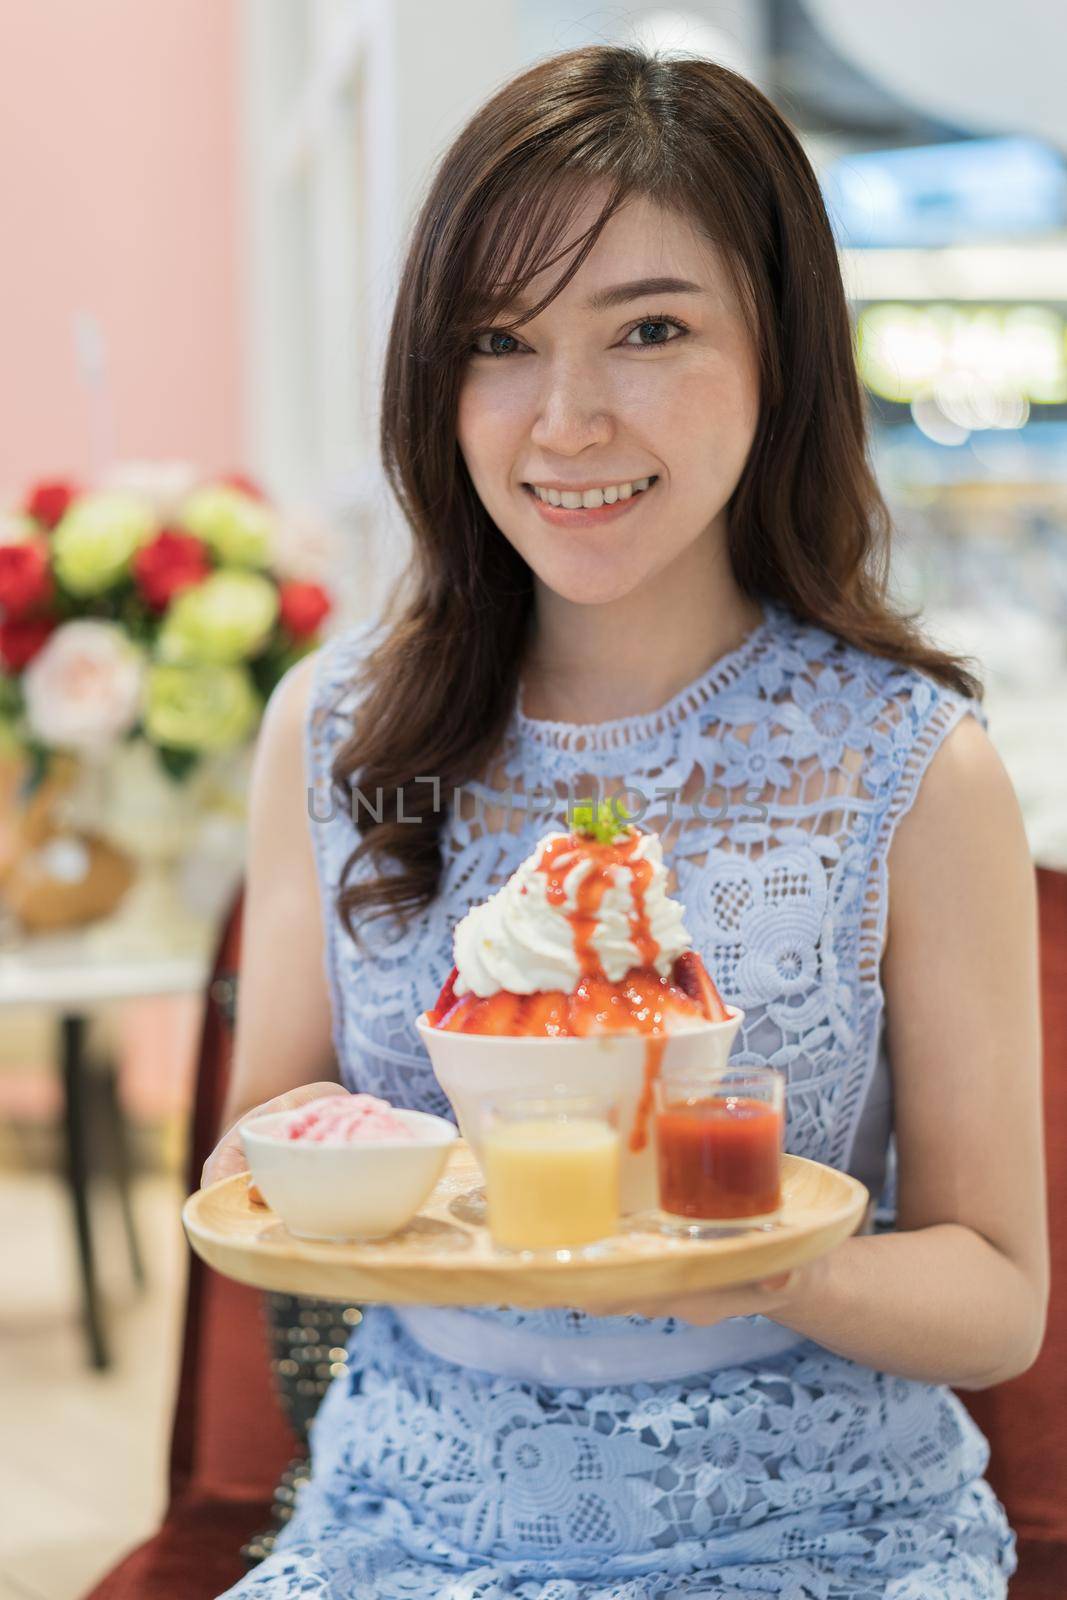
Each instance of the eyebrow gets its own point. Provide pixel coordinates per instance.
(620, 293)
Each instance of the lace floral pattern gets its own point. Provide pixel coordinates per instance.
(776, 781)
(808, 1477)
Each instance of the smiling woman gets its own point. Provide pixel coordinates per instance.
(713, 632)
(696, 333)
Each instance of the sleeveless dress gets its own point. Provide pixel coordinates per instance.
(498, 1454)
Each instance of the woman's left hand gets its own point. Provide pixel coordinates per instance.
(769, 1297)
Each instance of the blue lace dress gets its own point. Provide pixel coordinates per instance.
(490, 1453)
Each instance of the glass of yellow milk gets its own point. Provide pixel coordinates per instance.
(551, 1168)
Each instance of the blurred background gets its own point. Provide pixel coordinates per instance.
(205, 204)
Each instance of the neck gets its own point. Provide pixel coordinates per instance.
(627, 657)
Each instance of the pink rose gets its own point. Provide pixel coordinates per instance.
(83, 689)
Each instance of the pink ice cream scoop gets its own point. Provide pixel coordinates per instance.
(346, 1119)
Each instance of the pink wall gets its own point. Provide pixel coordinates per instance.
(118, 194)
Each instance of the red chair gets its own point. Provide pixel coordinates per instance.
(230, 1443)
(1026, 1420)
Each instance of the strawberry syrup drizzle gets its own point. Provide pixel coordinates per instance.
(555, 862)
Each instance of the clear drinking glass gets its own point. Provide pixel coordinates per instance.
(551, 1165)
(719, 1140)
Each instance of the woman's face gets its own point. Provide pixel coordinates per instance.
(663, 384)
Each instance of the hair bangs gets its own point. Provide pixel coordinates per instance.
(519, 242)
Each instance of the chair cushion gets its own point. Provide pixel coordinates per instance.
(194, 1556)
(1042, 1573)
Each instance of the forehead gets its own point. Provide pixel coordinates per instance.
(640, 240)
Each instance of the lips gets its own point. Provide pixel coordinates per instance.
(587, 516)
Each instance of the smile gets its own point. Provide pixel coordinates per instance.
(569, 508)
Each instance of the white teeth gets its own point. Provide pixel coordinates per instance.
(590, 499)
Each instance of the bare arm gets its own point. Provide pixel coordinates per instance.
(958, 1294)
(282, 1046)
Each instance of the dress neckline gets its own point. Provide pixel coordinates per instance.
(645, 725)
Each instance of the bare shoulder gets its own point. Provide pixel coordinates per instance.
(287, 708)
(963, 841)
(279, 757)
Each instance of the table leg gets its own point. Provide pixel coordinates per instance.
(75, 1131)
(120, 1152)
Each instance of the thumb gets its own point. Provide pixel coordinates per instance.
(295, 1097)
(781, 1280)
(228, 1156)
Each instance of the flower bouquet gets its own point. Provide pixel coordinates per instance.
(140, 627)
(116, 623)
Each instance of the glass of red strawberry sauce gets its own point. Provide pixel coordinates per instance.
(719, 1141)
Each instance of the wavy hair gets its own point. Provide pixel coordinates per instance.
(807, 526)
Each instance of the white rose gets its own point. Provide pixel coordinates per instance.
(83, 690)
(307, 547)
(164, 484)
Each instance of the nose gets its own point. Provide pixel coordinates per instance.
(570, 411)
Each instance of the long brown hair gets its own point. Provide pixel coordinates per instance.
(807, 525)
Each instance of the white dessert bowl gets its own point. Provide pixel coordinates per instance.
(472, 1068)
(355, 1190)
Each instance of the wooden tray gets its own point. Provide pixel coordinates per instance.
(445, 1256)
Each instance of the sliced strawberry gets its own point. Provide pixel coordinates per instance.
(446, 999)
(496, 1014)
(600, 1006)
(691, 975)
(544, 1014)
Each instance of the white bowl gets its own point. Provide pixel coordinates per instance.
(471, 1068)
(346, 1191)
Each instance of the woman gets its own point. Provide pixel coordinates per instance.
(841, 833)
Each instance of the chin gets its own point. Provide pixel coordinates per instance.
(588, 577)
(589, 588)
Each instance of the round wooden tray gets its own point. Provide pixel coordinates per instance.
(445, 1257)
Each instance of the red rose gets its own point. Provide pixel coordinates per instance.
(47, 501)
(21, 638)
(301, 607)
(238, 480)
(25, 579)
(168, 563)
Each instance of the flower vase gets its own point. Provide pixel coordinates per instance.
(126, 796)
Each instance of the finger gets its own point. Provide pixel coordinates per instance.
(781, 1280)
(227, 1159)
(298, 1096)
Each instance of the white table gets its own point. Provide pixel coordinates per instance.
(70, 975)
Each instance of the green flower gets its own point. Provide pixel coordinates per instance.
(200, 708)
(604, 821)
(94, 543)
(225, 619)
(239, 529)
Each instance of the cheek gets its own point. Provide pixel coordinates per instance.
(711, 410)
(487, 415)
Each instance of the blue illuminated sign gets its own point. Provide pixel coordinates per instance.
(957, 193)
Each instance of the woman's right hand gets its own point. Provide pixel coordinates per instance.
(228, 1156)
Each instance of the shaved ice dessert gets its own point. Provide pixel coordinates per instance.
(578, 974)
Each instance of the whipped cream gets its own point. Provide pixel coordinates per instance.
(519, 941)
